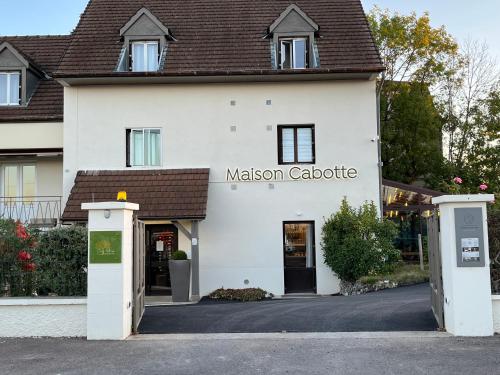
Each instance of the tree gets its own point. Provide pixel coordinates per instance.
(411, 48)
(466, 94)
(411, 147)
(417, 57)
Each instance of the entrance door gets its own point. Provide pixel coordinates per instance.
(299, 257)
(160, 244)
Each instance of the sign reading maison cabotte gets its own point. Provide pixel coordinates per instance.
(295, 173)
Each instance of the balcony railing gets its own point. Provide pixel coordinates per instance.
(40, 211)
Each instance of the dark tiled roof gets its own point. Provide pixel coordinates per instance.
(46, 103)
(161, 194)
(221, 37)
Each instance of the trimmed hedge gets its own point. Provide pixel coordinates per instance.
(243, 295)
(61, 256)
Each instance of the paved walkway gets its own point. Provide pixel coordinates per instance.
(295, 355)
(402, 309)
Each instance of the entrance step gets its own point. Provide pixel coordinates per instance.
(166, 301)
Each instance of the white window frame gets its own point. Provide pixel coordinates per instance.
(293, 56)
(145, 43)
(19, 166)
(132, 148)
(9, 74)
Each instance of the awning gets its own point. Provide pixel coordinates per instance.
(171, 194)
(31, 152)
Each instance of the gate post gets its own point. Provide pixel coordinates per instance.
(109, 285)
(465, 264)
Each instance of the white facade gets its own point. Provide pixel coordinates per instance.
(31, 170)
(234, 125)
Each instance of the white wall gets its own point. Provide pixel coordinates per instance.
(43, 317)
(49, 174)
(242, 235)
(31, 135)
(496, 313)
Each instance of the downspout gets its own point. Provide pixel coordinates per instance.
(379, 150)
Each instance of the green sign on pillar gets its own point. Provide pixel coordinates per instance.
(105, 247)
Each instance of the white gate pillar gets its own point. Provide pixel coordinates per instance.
(465, 264)
(110, 275)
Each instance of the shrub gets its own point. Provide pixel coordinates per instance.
(17, 266)
(494, 241)
(61, 258)
(179, 255)
(244, 295)
(358, 243)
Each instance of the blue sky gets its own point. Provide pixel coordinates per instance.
(478, 19)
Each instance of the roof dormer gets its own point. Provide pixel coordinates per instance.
(18, 76)
(145, 43)
(293, 43)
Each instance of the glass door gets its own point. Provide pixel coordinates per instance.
(162, 242)
(299, 257)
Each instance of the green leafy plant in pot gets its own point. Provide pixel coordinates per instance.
(180, 276)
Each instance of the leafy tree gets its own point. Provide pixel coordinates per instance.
(417, 57)
(411, 135)
(358, 243)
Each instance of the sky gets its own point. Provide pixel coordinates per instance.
(464, 19)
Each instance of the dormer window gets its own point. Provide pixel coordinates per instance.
(10, 88)
(294, 53)
(145, 46)
(145, 56)
(293, 44)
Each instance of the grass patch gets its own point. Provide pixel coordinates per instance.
(404, 274)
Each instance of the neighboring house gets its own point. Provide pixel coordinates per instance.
(31, 129)
(241, 123)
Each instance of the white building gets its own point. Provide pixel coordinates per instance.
(247, 123)
(31, 129)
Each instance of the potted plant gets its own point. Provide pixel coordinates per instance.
(180, 276)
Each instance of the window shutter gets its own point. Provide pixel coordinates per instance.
(127, 147)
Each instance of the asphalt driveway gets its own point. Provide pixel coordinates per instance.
(401, 309)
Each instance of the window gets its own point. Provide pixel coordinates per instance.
(19, 181)
(145, 56)
(10, 88)
(296, 144)
(293, 53)
(143, 147)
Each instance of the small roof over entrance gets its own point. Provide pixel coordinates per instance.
(161, 194)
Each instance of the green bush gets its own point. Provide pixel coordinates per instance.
(358, 243)
(61, 258)
(244, 295)
(494, 241)
(179, 255)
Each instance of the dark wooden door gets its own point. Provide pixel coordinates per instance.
(299, 257)
(162, 241)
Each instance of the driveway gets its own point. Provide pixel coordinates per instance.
(401, 309)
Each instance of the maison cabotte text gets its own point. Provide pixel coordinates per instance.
(293, 173)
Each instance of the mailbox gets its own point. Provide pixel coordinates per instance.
(469, 237)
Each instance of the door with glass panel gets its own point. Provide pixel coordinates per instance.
(299, 257)
(18, 191)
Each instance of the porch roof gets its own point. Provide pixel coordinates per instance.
(160, 193)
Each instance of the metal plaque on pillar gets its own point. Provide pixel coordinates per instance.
(469, 237)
